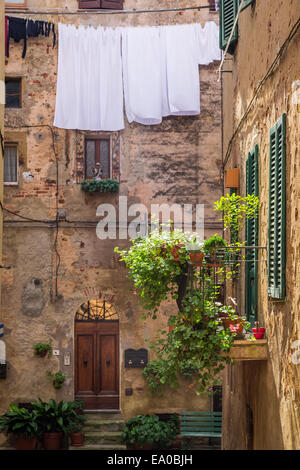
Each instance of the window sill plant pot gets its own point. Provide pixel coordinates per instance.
(259, 333)
(104, 185)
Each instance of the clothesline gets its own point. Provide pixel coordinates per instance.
(109, 12)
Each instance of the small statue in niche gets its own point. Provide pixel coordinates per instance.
(98, 172)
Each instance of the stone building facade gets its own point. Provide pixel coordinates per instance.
(57, 262)
(261, 399)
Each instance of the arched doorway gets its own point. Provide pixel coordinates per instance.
(97, 355)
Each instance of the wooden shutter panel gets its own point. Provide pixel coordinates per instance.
(89, 4)
(112, 4)
(228, 12)
(252, 240)
(277, 211)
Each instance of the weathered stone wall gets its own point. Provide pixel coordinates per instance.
(54, 271)
(270, 390)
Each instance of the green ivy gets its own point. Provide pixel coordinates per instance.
(104, 186)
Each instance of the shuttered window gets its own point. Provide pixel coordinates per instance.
(277, 211)
(98, 4)
(252, 239)
(228, 12)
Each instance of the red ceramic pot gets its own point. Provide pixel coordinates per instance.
(260, 334)
(25, 443)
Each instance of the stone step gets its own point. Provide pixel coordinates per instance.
(100, 438)
(110, 425)
(99, 447)
(101, 415)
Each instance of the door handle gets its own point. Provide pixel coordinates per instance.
(85, 362)
(107, 363)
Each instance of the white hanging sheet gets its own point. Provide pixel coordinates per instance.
(89, 92)
(159, 66)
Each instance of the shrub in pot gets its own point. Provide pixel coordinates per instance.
(42, 349)
(75, 431)
(53, 420)
(148, 432)
(57, 379)
(23, 424)
(213, 247)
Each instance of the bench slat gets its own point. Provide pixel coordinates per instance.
(201, 424)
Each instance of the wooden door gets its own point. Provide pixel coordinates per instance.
(97, 364)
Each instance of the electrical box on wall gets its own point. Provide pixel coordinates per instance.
(232, 178)
(67, 359)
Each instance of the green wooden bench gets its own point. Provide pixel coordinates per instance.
(201, 424)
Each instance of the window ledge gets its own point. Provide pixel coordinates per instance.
(247, 350)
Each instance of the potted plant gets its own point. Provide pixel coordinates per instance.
(100, 185)
(42, 349)
(57, 379)
(213, 247)
(23, 424)
(259, 333)
(53, 419)
(146, 432)
(75, 431)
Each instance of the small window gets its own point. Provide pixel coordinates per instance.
(13, 93)
(10, 164)
(101, 4)
(97, 158)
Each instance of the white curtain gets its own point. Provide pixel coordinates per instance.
(89, 93)
(10, 164)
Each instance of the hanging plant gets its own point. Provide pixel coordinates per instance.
(155, 275)
(236, 211)
(214, 248)
(57, 379)
(42, 349)
(103, 186)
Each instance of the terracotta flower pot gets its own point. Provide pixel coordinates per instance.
(175, 252)
(77, 439)
(137, 446)
(26, 443)
(52, 440)
(196, 258)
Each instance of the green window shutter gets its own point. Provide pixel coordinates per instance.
(228, 12)
(277, 211)
(252, 240)
(246, 3)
